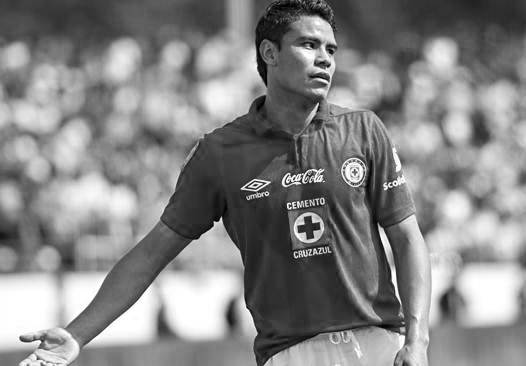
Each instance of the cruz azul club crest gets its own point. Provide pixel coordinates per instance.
(354, 171)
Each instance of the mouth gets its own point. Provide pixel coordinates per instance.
(322, 75)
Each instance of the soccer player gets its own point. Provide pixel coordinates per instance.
(302, 187)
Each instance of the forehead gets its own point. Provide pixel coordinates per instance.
(310, 27)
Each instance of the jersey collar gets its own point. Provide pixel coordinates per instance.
(262, 125)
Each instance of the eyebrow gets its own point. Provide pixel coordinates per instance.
(334, 46)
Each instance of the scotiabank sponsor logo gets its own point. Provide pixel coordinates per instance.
(310, 176)
(394, 183)
(398, 163)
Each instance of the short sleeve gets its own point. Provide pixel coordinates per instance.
(389, 193)
(198, 199)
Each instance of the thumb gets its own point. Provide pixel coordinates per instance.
(34, 336)
(399, 360)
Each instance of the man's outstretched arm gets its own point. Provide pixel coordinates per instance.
(122, 287)
(414, 285)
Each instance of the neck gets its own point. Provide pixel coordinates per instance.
(291, 116)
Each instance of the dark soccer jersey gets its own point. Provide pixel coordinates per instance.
(304, 212)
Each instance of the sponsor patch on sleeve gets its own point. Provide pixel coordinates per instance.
(400, 180)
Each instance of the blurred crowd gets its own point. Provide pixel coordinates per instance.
(92, 137)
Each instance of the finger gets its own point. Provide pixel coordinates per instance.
(34, 336)
(27, 361)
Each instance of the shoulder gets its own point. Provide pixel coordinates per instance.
(352, 114)
(211, 146)
(355, 118)
(231, 133)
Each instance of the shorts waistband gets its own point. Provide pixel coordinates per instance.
(341, 337)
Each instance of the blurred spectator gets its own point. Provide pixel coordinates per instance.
(452, 303)
(8, 259)
(48, 259)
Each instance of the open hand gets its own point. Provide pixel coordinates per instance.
(57, 348)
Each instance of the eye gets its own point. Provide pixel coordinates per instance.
(331, 51)
(309, 44)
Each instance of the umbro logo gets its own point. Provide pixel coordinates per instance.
(255, 185)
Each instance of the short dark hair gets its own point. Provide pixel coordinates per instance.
(278, 17)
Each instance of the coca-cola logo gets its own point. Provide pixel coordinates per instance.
(308, 177)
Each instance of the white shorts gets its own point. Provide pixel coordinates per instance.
(368, 346)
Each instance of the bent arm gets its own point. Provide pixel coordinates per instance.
(127, 281)
(413, 277)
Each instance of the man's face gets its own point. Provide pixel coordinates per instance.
(305, 62)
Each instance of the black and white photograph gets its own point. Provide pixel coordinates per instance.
(262, 183)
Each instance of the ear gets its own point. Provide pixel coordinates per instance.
(269, 52)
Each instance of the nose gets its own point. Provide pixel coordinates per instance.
(323, 58)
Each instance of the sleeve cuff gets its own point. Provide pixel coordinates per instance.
(179, 230)
(397, 216)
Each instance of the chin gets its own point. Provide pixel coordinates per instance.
(317, 95)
